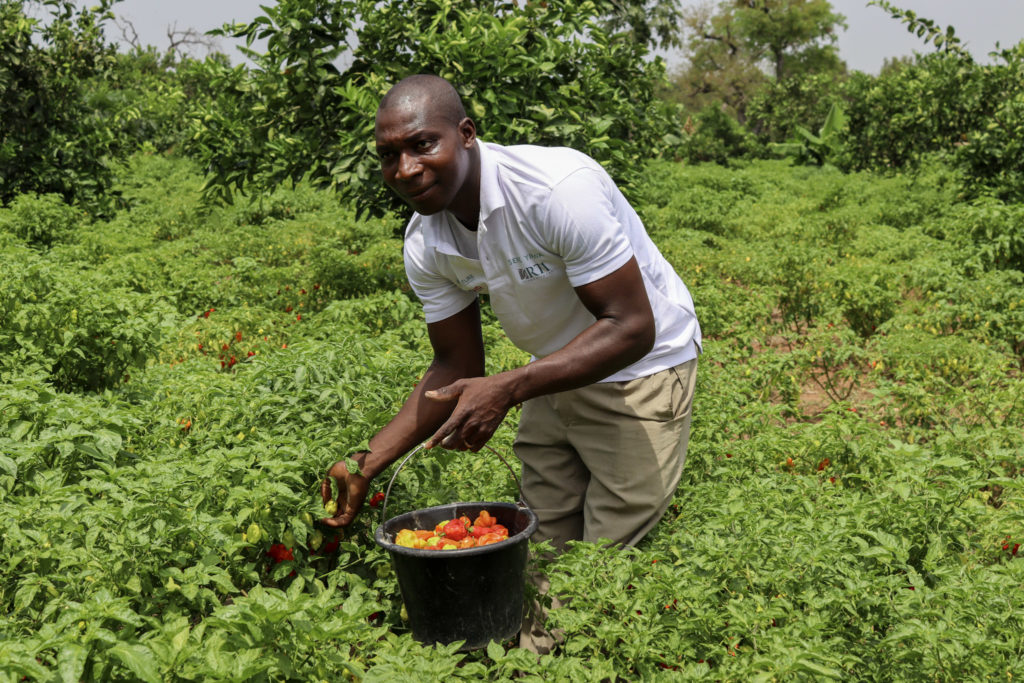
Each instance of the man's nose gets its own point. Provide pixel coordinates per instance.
(408, 166)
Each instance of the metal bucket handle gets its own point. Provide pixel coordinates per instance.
(387, 492)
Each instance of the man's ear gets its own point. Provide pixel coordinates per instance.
(467, 131)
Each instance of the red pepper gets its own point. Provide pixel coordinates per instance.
(376, 499)
(455, 530)
(280, 553)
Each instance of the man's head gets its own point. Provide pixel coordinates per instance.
(427, 147)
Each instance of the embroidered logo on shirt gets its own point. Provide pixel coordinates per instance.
(466, 283)
(538, 269)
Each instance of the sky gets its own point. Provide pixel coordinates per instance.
(871, 34)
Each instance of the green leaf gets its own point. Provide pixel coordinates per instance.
(495, 651)
(25, 595)
(139, 659)
(9, 466)
(809, 665)
(20, 429)
(71, 662)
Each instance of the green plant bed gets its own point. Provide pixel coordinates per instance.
(851, 506)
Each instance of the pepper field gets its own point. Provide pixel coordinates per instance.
(175, 381)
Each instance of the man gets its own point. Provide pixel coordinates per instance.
(574, 280)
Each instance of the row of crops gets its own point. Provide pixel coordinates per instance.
(174, 382)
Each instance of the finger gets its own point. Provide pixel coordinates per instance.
(325, 490)
(441, 434)
(336, 522)
(455, 442)
(446, 393)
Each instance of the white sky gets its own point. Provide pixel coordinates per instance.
(871, 36)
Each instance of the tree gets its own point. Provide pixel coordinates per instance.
(543, 73)
(718, 69)
(790, 35)
(50, 141)
(735, 46)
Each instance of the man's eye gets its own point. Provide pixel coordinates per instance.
(424, 145)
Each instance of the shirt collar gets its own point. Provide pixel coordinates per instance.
(491, 196)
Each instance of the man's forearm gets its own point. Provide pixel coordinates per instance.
(418, 418)
(601, 350)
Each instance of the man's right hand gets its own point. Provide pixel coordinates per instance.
(351, 493)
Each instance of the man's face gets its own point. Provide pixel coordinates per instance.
(423, 157)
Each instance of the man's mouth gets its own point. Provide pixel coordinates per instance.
(419, 194)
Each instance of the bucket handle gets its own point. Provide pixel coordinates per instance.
(387, 492)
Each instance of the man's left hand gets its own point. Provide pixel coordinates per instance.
(482, 404)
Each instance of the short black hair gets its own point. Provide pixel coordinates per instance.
(441, 96)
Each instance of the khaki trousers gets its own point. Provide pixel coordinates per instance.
(603, 462)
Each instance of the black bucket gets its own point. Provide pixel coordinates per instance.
(469, 594)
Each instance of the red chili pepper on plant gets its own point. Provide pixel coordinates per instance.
(280, 553)
(376, 499)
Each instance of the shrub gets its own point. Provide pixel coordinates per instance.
(715, 136)
(991, 157)
(993, 230)
(779, 107)
(84, 334)
(40, 220)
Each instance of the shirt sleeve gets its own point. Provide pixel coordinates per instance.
(584, 228)
(441, 298)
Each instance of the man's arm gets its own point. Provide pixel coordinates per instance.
(458, 354)
(622, 334)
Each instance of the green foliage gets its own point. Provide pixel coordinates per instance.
(991, 160)
(820, 148)
(83, 332)
(775, 112)
(851, 506)
(544, 73)
(40, 220)
(732, 45)
(652, 22)
(52, 140)
(713, 135)
(925, 28)
(942, 103)
(992, 229)
(785, 34)
(894, 120)
(148, 98)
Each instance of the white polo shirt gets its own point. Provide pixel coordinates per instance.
(551, 219)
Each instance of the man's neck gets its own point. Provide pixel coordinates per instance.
(466, 205)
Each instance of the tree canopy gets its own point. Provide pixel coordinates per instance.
(734, 46)
(544, 73)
